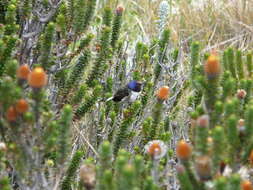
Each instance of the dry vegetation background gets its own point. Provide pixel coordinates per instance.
(215, 24)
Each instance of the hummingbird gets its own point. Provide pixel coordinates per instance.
(131, 90)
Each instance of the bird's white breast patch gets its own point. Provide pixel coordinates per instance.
(134, 96)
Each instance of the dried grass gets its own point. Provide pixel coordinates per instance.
(214, 23)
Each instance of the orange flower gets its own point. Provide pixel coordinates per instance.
(246, 185)
(183, 150)
(11, 114)
(212, 66)
(156, 149)
(23, 72)
(22, 106)
(163, 93)
(37, 78)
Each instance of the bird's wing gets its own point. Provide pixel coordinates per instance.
(120, 94)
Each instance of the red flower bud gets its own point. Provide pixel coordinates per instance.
(119, 10)
(241, 94)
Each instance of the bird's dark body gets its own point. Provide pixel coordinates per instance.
(134, 86)
(120, 94)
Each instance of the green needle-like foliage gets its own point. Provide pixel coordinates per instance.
(163, 43)
(100, 126)
(105, 164)
(146, 94)
(84, 43)
(146, 130)
(128, 177)
(107, 181)
(184, 178)
(6, 49)
(105, 178)
(229, 86)
(248, 88)
(11, 68)
(239, 64)
(194, 60)
(231, 107)
(64, 129)
(218, 136)
(116, 25)
(249, 64)
(233, 138)
(206, 125)
(231, 62)
(100, 62)
(218, 107)
(112, 116)
(50, 136)
(72, 168)
(77, 71)
(5, 184)
(201, 137)
(191, 175)
(139, 166)
(234, 182)
(26, 6)
(194, 64)
(70, 13)
(121, 163)
(88, 102)
(78, 96)
(107, 17)
(225, 60)
(8, 92)
(61, 77)
(80, 8)
(89, 12)
(157, 116)
(47, 41)
(10, 18)
(105, 156)
(221, 183)
(211, 94)
(149, 184)
(125, 124)
(141, 55)
(249, 121)
(61, 24)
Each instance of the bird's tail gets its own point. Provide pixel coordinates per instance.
(109, 99)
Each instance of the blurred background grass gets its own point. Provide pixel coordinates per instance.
(217, 24)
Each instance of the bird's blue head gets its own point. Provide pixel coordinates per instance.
(134, 85)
